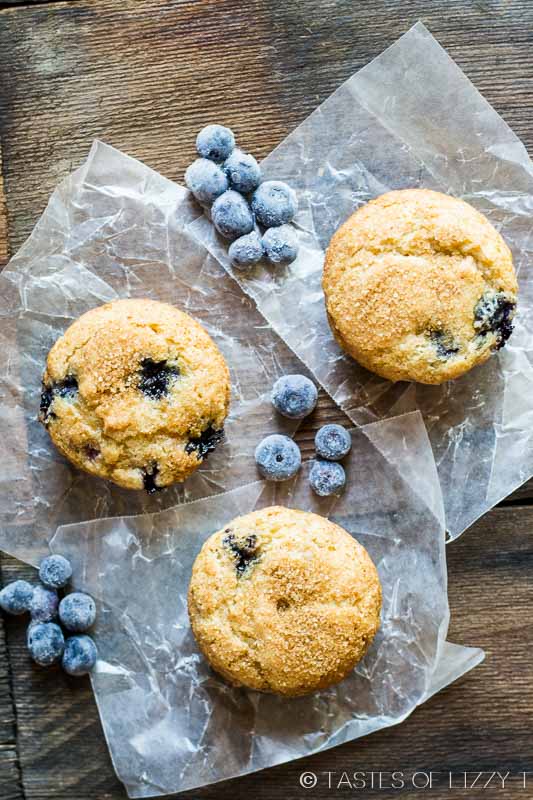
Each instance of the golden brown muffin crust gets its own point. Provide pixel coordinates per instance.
(419, 286)
(284, 601)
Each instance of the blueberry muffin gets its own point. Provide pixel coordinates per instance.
(284, 601)
(419, 286)
(136, 392)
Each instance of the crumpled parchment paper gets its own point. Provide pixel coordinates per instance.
(171, 723)
(410, 118)
(112, 229)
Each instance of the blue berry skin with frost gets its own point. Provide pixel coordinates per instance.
(246, 251)
(215, 142)
(294, 396)
(274, 203)
(333, 442)
(280, 244)
(231, 215)
(80, 655)
(77, 612)
(206, 180)
(45, 642)
(243, 171)
(55, 572)
(15, 598)
(327, 478)
(277, 457)
(44, 604)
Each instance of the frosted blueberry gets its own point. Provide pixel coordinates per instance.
(45, 642)
(55, 572)
(294, 396)
(77, 612)
(274, 203)
(206, 180)
(44, 604)
(246, 251)
(280, 244)
(333, 442)
(326, 478)
(15, 598)
(80, 655)
(277, 457)
(231, 215)
(215, 142)
(243, 171)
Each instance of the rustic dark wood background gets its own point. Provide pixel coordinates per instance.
(145, 75)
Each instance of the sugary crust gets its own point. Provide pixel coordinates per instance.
(110, 427)
(299, 616)
(410, 265)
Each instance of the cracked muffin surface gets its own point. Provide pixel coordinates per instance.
(136, 392)
(284, 601)
(419, 286)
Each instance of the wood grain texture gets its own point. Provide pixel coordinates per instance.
(10, 787)
(3, 219)
(145, 75)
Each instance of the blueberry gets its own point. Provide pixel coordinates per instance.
(77, 612)
(206, 180)
(494, 314)
(80, 655)
(294, 396)
(231, 215)
(243, 171)
(55, 572)
(204, 444)
(45, 642)
(280, 244)
(149, 475)
(156, 377)
(243, 550)
(333, 442)
(44, 604)
(67, 388)
(326, 478)
(277, 457)
(246, 251)
(15, 598)
(274, 203)
(215, 142)
(444, 344)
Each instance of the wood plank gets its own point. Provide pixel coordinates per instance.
(61, 747)
(481, 723)
(145, 77)
(3, 219)
(10, 788)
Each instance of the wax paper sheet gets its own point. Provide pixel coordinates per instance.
(171, 723)
(410, 118)
(114, 228)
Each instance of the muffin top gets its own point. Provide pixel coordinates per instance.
(419, 286)
(284, 601)
(135, 391)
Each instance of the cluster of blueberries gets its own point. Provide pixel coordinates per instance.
(228, 182)
(278, 457)
(48, 642)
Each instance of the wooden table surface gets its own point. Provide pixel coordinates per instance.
(145, 75)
